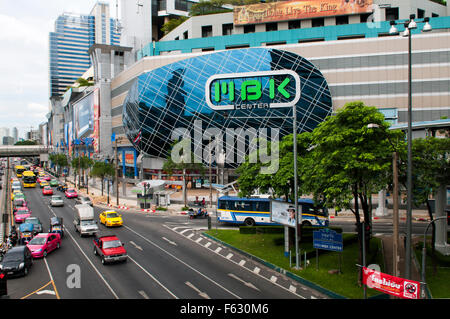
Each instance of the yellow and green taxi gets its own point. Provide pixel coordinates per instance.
(14, 193)
(111, 218)
(43, 183)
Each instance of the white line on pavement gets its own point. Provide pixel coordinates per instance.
(184, 263)
(151, 276)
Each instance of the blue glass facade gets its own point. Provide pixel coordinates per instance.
(69, 44)
(173, 97)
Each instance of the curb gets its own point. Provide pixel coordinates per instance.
(280, 270)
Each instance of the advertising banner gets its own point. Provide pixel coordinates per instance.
(283, 213)
(391, 285)
(84, 115)
(96, 128)
(129, 158)
(295, 10)
(70, 136)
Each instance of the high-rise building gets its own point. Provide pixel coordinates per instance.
(15, 134)
(4, 131)
(74, 34)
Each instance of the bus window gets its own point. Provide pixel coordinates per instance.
(223, 204)
(261, 206)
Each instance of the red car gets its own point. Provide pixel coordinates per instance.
(43, 243)
(71, 193)
(109, 248)
(46, 178)
(47, 190)
(21, 214)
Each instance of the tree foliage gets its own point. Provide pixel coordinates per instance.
(172, 24)
(204, 7)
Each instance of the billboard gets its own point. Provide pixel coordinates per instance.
(96, 128)
(84, 116)
(283, 213)
(295, 10)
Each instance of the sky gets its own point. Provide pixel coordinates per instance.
(24, 57)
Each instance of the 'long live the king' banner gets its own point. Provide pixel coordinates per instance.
(391, 285)
(299, 9)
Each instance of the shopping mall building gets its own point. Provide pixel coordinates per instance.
(247, 69)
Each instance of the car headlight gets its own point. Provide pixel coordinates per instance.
(21, 265)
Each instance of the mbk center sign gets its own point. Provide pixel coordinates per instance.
(222, 102)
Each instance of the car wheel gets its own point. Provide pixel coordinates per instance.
(58, 246)
(44, 254)
(95, 251)
(103, 260)
(25, 271)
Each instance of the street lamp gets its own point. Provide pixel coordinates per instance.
(409, 26)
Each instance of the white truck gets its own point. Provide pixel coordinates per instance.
(84, 220)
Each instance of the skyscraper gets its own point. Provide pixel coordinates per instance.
(15, 134)
(69, 44)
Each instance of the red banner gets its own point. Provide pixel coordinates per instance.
(391, 285)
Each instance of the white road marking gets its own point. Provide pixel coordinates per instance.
(242, 262)
(229, 255)
(143, 294)
(136, 246)
(256, 270)
(218, 249)
(46, 292)
(207, 244)
(184, 263)
(273, 279)
(170, 242)
(200, 293)
(248, 284)
(151, 276)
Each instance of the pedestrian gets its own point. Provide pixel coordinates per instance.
(196, 201)
(203, 202)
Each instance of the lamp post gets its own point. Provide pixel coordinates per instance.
(409, 26)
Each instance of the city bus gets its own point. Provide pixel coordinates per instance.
(29, 179)
(19, 170)
(256, 211)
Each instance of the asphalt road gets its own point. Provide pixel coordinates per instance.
(166, 261)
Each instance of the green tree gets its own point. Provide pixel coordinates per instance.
(431, 170)
(172, 24)
(186, 162)
(350, 161)
(27, 142)
(204, 7)
(102, 170)
(281, 183)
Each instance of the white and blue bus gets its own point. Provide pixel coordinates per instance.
(256, 211)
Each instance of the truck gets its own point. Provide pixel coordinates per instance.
(109, 248)
(84, 220)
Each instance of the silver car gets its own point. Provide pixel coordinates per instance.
(56, 200)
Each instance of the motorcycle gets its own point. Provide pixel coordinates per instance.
(200, 213)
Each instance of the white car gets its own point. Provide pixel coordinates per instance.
(56, 200)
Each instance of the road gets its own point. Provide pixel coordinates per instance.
(168, 259)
